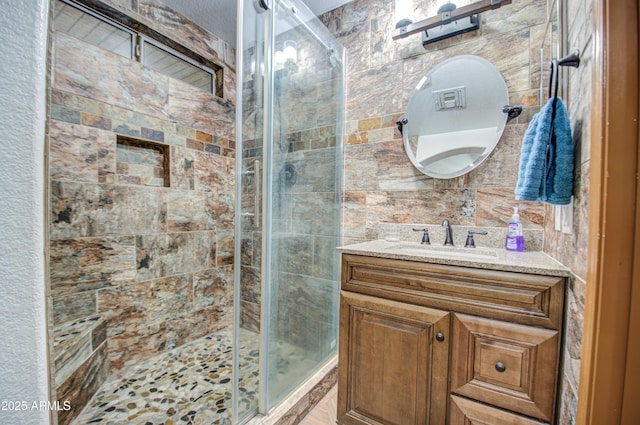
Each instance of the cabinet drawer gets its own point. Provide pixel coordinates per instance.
(506, 365)
(463, 412)
(515, 297)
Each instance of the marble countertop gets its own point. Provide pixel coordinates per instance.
(534, 262)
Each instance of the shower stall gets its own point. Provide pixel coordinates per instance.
(288, 192)
(193, 276)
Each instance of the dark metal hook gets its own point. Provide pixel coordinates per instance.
(512, 111)
(553, 77)
(401, 123)
(572, 59)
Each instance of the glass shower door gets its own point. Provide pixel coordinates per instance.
(251, 89)
(290, 115)
(302, 200)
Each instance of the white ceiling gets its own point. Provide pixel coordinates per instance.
(219, 16)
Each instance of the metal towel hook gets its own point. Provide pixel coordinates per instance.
(572, 60)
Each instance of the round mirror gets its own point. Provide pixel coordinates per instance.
(455, 117)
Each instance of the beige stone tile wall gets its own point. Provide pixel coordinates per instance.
(135, 270)
(380, 185)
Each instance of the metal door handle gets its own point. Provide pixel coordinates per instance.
(256, 196)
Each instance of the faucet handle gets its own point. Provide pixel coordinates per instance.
(425, 236)
(470, 243)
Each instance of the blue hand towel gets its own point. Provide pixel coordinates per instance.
(546, 158)
(559, 187)
(532, 159)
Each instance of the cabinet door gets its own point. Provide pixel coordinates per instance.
(507, 365)
(393, 362)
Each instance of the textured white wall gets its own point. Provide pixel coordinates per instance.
(23, 337)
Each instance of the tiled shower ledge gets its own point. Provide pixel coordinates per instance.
(72, 342)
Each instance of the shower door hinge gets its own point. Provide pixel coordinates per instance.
(265, 4)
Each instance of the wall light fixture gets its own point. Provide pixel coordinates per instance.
(290, 51)
(449, 21)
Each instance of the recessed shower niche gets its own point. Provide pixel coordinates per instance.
(142, 162)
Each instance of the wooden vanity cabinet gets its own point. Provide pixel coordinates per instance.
(434, 344)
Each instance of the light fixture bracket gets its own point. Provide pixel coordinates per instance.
(462, 12)
(441, 32)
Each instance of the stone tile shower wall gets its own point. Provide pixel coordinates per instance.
(380, 183)
(136, 268)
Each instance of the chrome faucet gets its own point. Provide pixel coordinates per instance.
(448, 241)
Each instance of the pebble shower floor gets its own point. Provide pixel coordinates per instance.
(191, 384)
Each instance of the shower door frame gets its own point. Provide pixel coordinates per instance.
(267, 134)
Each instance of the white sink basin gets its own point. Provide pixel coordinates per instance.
(444, 251)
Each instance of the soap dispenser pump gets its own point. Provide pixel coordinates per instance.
(515, 237)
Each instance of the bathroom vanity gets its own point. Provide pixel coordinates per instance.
(447, 336)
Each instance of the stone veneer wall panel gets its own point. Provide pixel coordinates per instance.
(79, 153)
(141, 316)
(85, 210)
(87, 264)
(168, 21)
(91, 72)
(135, 270)
(211, 116)
(83, 383)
